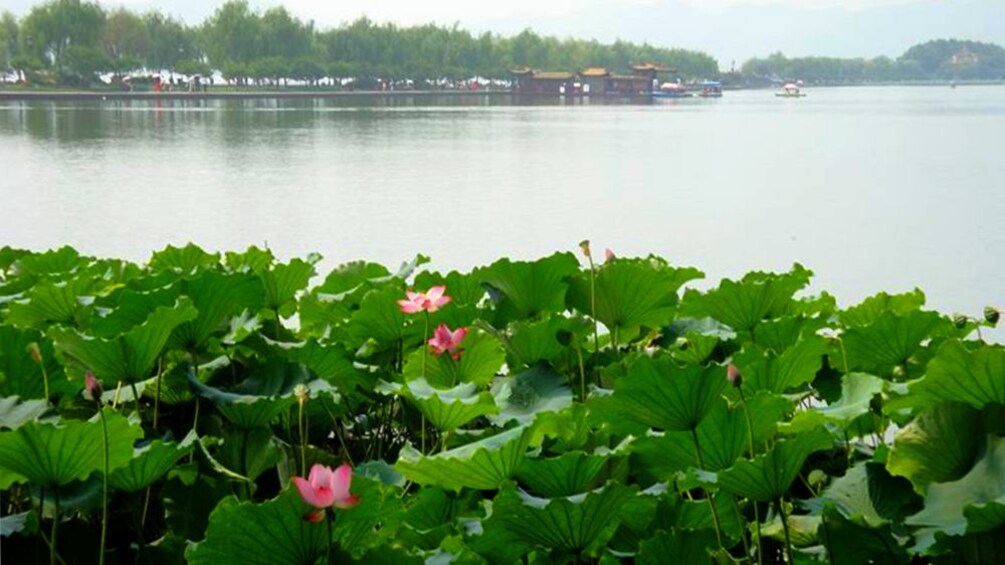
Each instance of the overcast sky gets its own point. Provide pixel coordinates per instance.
(731, 30)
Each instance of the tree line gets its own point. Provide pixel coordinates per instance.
(72, 41)
(942, 59)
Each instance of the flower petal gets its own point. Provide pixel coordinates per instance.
(347, 502)
(340, 481)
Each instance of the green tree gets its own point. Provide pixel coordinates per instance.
(8, 40)
(50, 28)
(233, 34)
(125, 37)
(170, 42)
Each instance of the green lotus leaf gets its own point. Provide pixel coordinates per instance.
(482, 356)
(890, 340)
(429, 518)
(678, 546)
(875, 306)
(958, 374)
(217, 297)
(20, 375)
(330, 362)
(379, 317)
(129, 357)
(523, 397)
(525, 289)
(53, 303)
(272, 396)
(980, 494)
(132, 307)
(14, 413)
(449, 409)
(529, 343)
(248, 452)
(483, 465)
(571, 473)
(284, 280)
(53, 262)
(270, 533)
(579, 523)
(661, 394)
(722, 436)
(779, 334)
(150, 463)
(857, 392)
(10, 255)
(768, 476)
(744, 304)
(871, 497)
(188, 259)
(349, 277)
(374, 522)
(50, 455)
(251, 260)
(319, 313)
(849, 543)
(25, 522)
(940, 445)
(631, 294)
(795, 367)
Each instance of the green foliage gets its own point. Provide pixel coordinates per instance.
(535, 444)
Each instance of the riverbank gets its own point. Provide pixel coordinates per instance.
(83, 95)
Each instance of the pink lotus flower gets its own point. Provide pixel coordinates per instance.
(92, 387)
(324, 488)
(446, 341)
(429, 301)
(609, 255)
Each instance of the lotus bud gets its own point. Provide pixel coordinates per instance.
(92, 387)
(960, 321)
(584, 246)
(35, 352)
(609, 255)
(733, 375)
(992, 315)
(314, 517)
(302, 394)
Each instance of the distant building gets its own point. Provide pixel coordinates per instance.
(592, 81)
(964, 57)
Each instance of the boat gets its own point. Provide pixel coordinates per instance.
(711, 89)
(790, 90)
(671, 90)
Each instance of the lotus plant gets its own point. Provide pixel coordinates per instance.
(427, 302)
(446, 341)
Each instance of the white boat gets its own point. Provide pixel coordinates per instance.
(790, 90)
(671, 90)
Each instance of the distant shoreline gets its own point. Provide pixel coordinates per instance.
(100, 95)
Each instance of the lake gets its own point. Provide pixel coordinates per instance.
(878, 188)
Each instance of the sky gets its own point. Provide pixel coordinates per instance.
(730, 30)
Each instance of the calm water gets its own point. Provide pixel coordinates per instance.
(873, 188)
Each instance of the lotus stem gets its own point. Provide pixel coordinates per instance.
(244, 462)
(593, 309)
(104, 486)
(744, 533)
(157, 394)
(785, 528)
(303, 439)
(328, 548)
(750, 446)
(45, 376)
(425, 353)
(711, 500)
(53, 535)
(136, 400)
(582, 375)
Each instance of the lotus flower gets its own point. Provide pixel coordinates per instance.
(92, 387)
(446, 341)
(609, 255)
(324, 488)
(429, 301)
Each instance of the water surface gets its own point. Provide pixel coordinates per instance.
(873, 188)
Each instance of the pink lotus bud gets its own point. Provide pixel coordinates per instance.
(734, 376)
(92, 387)
(609, 255)
(35, 352)
(315, 516)
(325, 488)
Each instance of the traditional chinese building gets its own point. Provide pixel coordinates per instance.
(527, 81)
(592, 81)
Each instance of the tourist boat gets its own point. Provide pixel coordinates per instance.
(790, 90)
(671, 90)
(711, 89)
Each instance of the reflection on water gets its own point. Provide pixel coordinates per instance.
(873, 188)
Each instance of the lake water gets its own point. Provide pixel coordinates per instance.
(873, 188)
